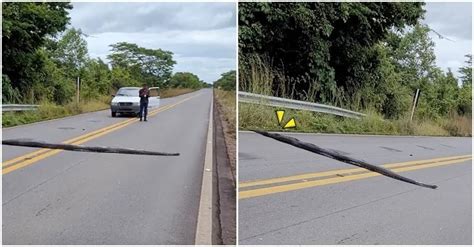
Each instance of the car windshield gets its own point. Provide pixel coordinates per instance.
(127, 92)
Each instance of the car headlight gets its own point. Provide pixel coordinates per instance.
(114, 103)
(136, 103)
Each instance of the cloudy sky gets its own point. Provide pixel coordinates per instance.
(202, 36)
(452, 20)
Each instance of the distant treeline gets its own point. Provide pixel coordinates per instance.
(42, 59)
(363, 56)
(227, 81)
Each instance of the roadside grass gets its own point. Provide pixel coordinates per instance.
(458, 125)
(253, 116)
(48, 111)
(256, 76)
(226, 106)
(171, 92)
(226, 100)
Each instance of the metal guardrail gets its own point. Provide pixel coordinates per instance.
(296, 104)
(18, 107)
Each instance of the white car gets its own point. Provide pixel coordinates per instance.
(126, 100)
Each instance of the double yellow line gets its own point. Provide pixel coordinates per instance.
(277, 185)
(30, 158)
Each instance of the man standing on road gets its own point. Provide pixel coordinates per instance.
(144, 93)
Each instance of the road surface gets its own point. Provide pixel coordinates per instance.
(65, 197)
(291, 196)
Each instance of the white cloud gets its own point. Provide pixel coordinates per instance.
(201, 35)
(452, 20)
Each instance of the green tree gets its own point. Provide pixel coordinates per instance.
(355, 55)
(411, 56)
(466, 71)
(121, 77)
(9, 94)
(413, 52)
(185, 80)
(465, 94)
(71, 52)
(329, 46)
(25, 27)
(96, 79)
(357, 29)
(441, 97)
(55, 85)
(291, 37)
(227, 81)
(391, 97)
(153, 66)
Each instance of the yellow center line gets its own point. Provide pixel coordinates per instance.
(30, 158)
(308, 184)
(342, 172)
(71, 141)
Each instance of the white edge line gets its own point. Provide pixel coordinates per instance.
(237, 129)
(204, 220)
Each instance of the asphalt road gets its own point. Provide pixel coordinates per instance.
(91, 198)
(291, 196)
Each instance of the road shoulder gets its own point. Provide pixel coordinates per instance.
(205, 214)
(225, 183)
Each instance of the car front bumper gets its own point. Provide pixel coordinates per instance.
(125, 109)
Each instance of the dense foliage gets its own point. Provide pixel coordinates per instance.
(24, 30)
(186, 80)
(227, 81)
(153, 66)
(42, 59)
(357, 55)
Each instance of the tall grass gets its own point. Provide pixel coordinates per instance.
(457, 125)
(48, 111)
(253, 116)
(226, 101)
(257, 76)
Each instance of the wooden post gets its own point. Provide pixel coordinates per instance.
(415, 102)
(77, 90)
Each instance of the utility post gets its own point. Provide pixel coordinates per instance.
(415, 102)
(78, 88)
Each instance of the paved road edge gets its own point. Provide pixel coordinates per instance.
(204, 221)
(350, 135)
(225, 184)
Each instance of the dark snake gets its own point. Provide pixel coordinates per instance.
(340, 157)
(78, 148)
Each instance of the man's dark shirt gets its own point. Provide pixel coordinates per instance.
(144, 94)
